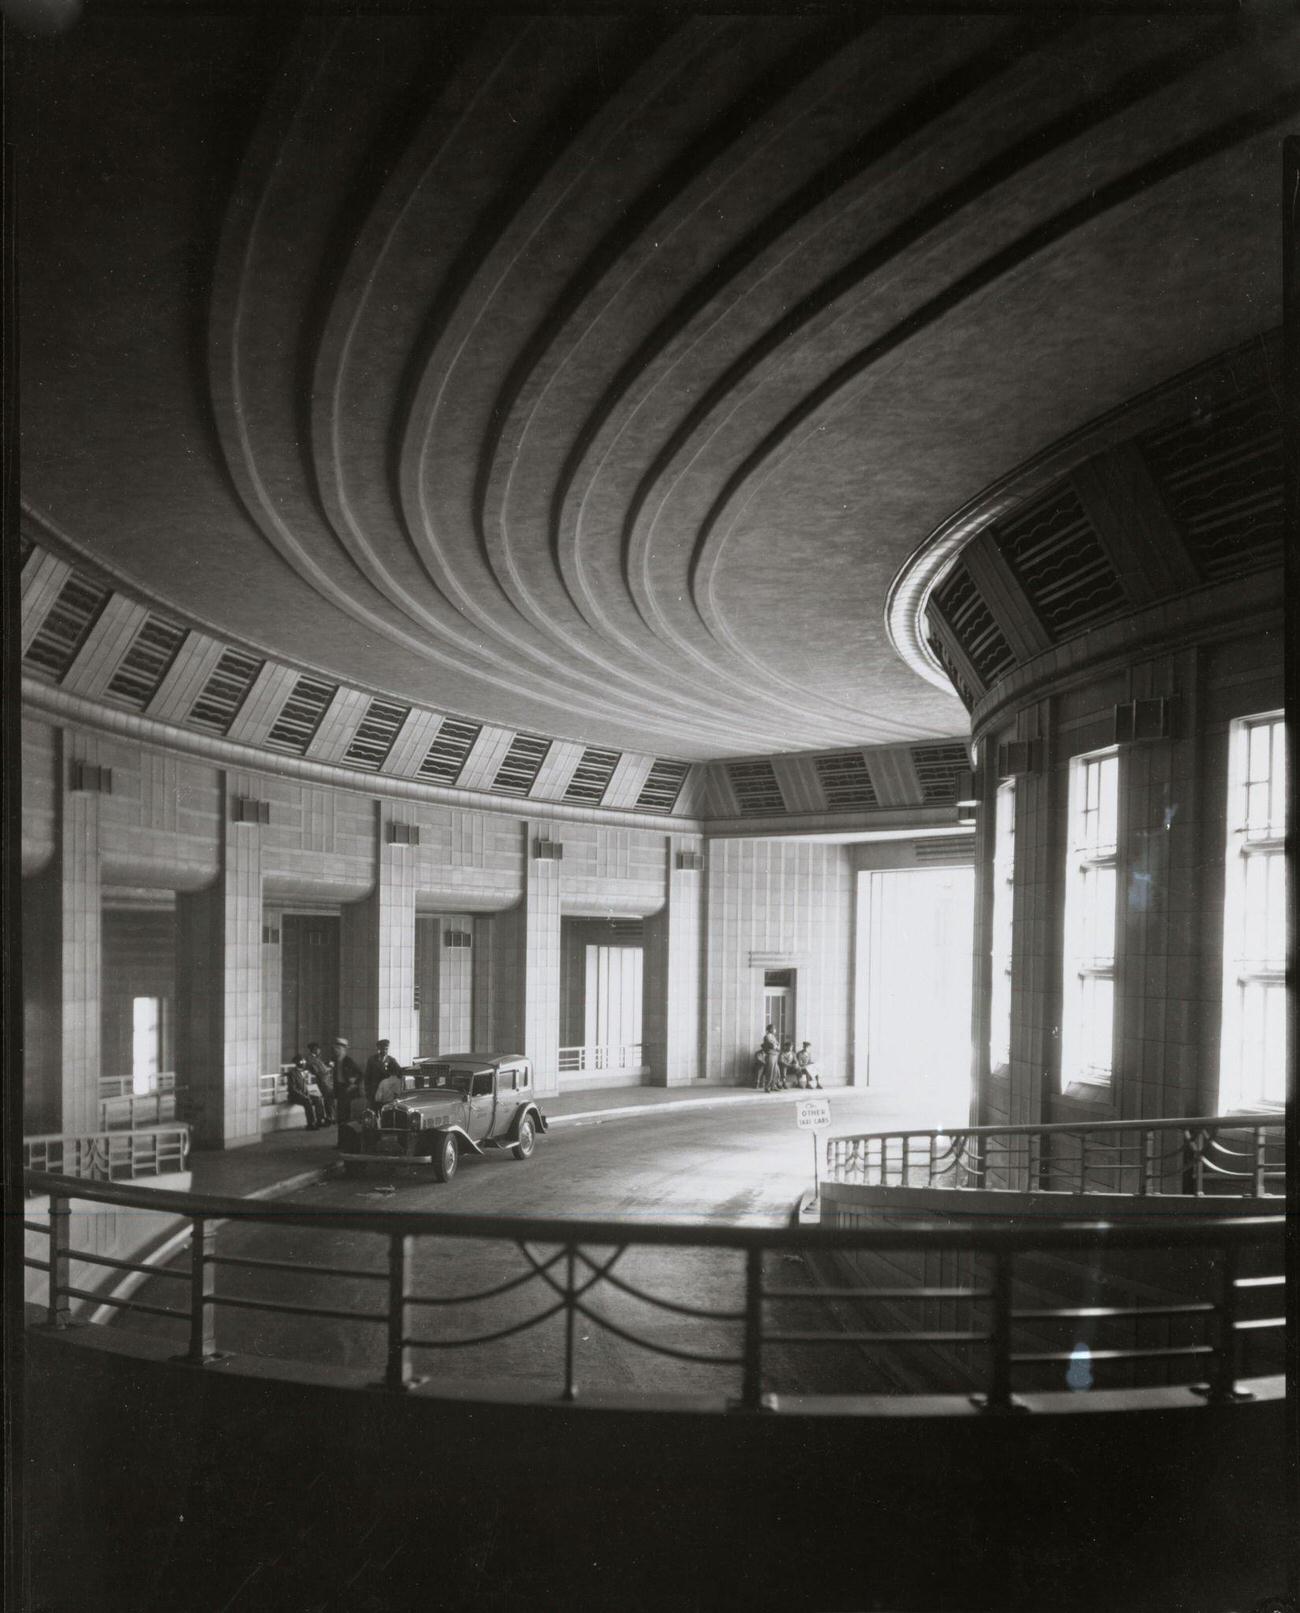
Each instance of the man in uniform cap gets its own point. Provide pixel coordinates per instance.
(379, 1065)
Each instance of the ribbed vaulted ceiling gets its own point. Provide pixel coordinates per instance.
(596, 376)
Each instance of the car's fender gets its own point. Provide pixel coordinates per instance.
(539, 1119)
(459, 1131)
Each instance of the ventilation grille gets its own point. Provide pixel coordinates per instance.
(145, 664)
(845, 781)
(301, 715)
(458, 940)
(947, 661)
(755, 787)
(66, 626)
(971, 623)
(937, 767)
(1222, 478)
(375, 734)
(592, 775)
(224, 692)
(1060, 565)
(522, 762)
(942, 848)
(447, 754)
(662, 786)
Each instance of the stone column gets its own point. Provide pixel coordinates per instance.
(673, 975)
(84, 781)
(219, 981)
(377, 949)
(526, 965)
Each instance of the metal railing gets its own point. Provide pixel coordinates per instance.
(109, 1156)
(1204, 1157)
(628, 1056)
(565, 1262)
(123, 1086)
(272, 1088)
(136, 1109)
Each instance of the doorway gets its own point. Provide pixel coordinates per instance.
(913, 989)
(779, 1002)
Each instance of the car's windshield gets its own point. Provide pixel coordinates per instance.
(457, 1080)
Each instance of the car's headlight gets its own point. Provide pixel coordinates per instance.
(370, 1119)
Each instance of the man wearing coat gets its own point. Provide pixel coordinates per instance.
(349, 1087)
(379, 1065)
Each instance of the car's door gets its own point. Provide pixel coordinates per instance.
(508, 1099)
(482, 1104)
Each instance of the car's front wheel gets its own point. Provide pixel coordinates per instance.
(526, 1141)
(446, 1157)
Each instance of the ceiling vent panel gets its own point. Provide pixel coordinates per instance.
(971, 623)
(755, 787)
(845, 781)
(146, 663)
(521, 765)
(1058, 561)
(447, 754)
(224, 692)
(375, 734)
(591, 776)
(301, 714)
(937, 767)
(1222, 478)
(66, 627)
(948, 661)
(662, 786)
(943, 848)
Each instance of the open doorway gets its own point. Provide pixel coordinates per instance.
(913, 990)
(779, 1002)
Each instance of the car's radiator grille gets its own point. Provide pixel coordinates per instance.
(393, 1118)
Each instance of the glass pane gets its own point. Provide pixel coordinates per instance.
(144, 1042)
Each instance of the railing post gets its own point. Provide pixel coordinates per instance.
(1259, 1162)
(1222, 1387)
(570, 1323)
(999, 1396)
(397, 1362)
(907, 1159)
(203, 1285)
(751, 1389)
(1083, 1163)
(58, 1308)
(977, 1147)
(1148, 1167)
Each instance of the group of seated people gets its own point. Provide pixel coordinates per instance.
(337, 1088)
(777, 1066)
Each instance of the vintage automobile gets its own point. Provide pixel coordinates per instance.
(455, 1104)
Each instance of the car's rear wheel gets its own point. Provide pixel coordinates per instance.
(526, 1141)
(446, 1157)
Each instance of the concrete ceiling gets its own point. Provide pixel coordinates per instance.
(595, 376)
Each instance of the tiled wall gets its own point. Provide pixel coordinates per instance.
(777, 904)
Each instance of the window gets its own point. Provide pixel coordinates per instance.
(1004, 860)
(1088, 975)
(1252, 1064)
(146, 1043)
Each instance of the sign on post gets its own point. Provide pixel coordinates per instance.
(814, 1115)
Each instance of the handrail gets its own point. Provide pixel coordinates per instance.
(601, 1056)
(568, 1277)
(1111, 1156)
(1244, 1121)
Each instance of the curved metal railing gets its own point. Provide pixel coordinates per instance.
(570, 1261)
(1204, 1156)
